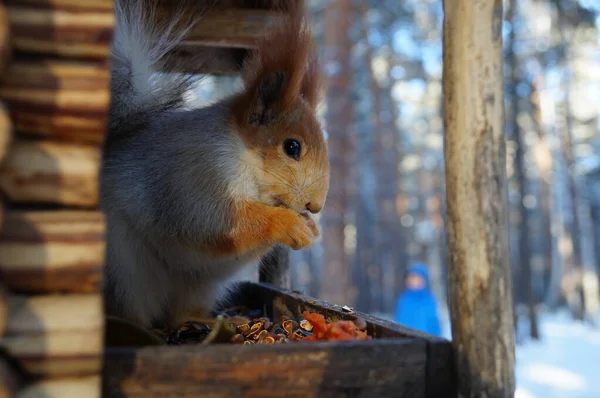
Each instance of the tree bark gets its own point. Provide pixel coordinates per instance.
(480, 285)
(335, 281)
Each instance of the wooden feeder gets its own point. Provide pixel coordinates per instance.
(54, 92)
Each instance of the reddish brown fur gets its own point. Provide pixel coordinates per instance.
(260, 226)
(270, 110)
(288, 48)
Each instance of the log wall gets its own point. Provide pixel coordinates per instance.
(54, 98)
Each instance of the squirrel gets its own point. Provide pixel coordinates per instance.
(192, 196)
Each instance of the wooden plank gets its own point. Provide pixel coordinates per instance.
(440, 380)
(5, 45)
(206, 60)
(81, 29)
(480, 283)
(3, 308)
(51, 172)
(377, 368)
(393, 365)
(84, 30)
(5, 131)
(52, 251)
(105, 5)
(55, 336)
(10, 377)
(84, 387)
(231, 27)
(34, 315)
(61, 100)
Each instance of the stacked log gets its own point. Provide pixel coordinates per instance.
(54, 98)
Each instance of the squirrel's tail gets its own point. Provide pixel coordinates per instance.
(141, 44)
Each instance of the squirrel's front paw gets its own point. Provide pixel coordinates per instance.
(312, 224)
(299, 232)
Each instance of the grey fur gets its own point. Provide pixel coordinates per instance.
(167, 183)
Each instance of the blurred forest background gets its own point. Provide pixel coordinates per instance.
(383, 115)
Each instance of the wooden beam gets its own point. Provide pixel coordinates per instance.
(10, 378)
(52, 251)
(480, 283)
(63, 100)
(231, 27)
(81, 29)
(6, 131)
(206, 60)
(88, 387)
(56, 335)
(45, 172)
(5, 44)
(84, 30)
(3, 309)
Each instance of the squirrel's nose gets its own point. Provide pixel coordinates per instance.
(314, 207)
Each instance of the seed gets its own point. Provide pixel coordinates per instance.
(306, 325)
(277, 329)
(268, 340)
(237, 339)
(262, 335)
(253, 330)
(289, 326)
(360, 323)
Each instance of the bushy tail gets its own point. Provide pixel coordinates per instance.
(141, 44)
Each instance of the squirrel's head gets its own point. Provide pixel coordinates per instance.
(276, 117)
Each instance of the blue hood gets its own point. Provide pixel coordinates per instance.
(421, 270)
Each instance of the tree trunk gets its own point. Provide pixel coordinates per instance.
(480, 305)
(573, 278)
(525, 273)
(543, 159)
(595, 220)
(335, 281)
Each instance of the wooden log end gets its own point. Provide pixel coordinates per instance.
(52, 251)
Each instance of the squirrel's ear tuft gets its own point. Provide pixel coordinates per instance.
(312, 83)
(267, 99)
(281, 70)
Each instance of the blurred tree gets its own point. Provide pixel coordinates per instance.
(335, 279)
(525, 289)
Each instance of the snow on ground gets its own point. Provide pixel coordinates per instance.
(565, 363)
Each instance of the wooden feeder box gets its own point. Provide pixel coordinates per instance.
(397, 362)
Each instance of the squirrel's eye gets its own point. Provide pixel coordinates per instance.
(292, 148)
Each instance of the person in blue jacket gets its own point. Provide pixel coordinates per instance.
(416, 306)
